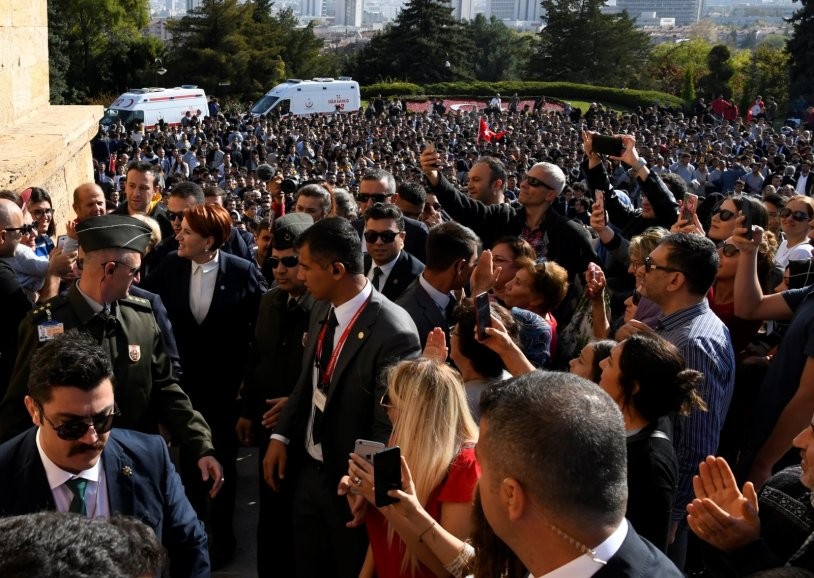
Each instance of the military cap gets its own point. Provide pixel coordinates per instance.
(288, 228)
(113, 232)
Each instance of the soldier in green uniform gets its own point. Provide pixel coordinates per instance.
(147, 390)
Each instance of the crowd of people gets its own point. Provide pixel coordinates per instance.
(309, 286)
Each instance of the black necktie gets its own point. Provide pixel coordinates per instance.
(377, 275)
(450, 308)
(324, 359)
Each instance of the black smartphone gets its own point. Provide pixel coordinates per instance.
(607, 145)
(386, 475)
(746, 211)
(483, 314)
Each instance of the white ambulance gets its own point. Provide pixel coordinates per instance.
(317, 96)
(150, 105)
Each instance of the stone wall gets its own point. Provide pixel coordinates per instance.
(40, 145)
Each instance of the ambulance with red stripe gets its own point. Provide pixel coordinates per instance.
(303, 97)
(150, 105)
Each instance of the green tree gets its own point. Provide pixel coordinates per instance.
(688, 88)
(766, 74)
(801, 50)
(417, 47)
(581, 44)
(718, 80)
(669, 62)
(499, 52)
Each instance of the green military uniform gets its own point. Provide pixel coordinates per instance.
(146, 387)
(147, 391)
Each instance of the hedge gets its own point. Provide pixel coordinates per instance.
(563, 90)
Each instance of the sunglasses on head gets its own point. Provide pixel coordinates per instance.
(387, 236)
(289, 262)
(74, 429)
(377, 198)
(799, 216)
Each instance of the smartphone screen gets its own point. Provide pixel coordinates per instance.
(689, 206)
(483, 314)
(386, 475)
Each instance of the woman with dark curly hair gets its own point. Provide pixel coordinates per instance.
(648, 378)
(42, 212)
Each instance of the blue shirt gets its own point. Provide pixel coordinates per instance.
(703, 340)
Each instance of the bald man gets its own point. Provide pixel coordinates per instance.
(15, 303)
(88, 201)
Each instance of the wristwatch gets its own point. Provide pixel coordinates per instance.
(639, 164)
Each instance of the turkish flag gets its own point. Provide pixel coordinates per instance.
(485, 134)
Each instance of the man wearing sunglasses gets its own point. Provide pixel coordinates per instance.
(389, 267)
(73, 461)
(379, 186)
(15, 303)
(271, 374)
(99, 304)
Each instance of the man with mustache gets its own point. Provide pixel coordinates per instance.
(72, 461)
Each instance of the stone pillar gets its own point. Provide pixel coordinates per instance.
(40, 145)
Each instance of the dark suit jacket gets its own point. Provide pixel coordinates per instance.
(213, 353)
(141, 482)
(415, 241)
(423, 310)
(638, 558)
(404, 272)
(382, 335)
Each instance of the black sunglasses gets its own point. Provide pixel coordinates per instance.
(387, 236)
(723, 214)
(729, 250)
(377, 198)
(74, 429)
(535, 182)
(24, 230)
(133, 270)
(172, 216)
(636, 297)
(649, 266)
(289, 262)
(799, 216)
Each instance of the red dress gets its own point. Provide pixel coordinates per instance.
(457, 487)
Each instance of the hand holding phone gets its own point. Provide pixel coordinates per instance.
(366, 449)
(483, 315)
(689, 206)
(386, 475)
(607, 145)
(600, 198)
(746, 211)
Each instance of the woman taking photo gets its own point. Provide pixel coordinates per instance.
(212, 299)
(41, 210)
(647, 377)
(433, 427)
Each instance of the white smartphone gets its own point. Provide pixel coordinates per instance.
(367, 449)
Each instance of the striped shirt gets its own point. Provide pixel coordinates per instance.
(704, 341)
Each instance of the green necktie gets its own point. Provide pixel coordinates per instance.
(78, 505)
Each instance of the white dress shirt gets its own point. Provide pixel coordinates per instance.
(386, 269)
(440, 299)
(96, 500)
(204, 277)
(584, 566)
(800, 188)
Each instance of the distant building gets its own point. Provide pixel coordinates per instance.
(192, 4)
(348, 13)
(503, 9)
(157, 28)
(311, 8)
(685, 12)
(462, 10)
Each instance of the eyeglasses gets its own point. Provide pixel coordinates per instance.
(133, 270)
(386, 402)
(40, 213)
(377, 198)
(649, 266)
(24, 230)
(799, 216)
(172, 216)
(74, 429)
(723, 214)
(387, 236)
(535, 182)
(289, 262)
(729, 250)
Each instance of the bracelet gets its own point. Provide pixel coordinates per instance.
(421, 535)
(462, 564)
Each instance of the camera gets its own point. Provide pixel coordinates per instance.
(290, 185)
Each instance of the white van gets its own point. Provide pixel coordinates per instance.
(317, 96)
(150, 105)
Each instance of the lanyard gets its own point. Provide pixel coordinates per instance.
(325, 377)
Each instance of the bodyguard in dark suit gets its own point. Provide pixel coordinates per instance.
(564, 510)
(388, 266)
(212, 299)
(73, 462)
(272, 372)
(354, 335)
(379, 186)
(452, 252)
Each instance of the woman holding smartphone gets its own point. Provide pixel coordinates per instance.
(436, 433)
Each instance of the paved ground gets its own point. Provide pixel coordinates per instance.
(244, 565)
